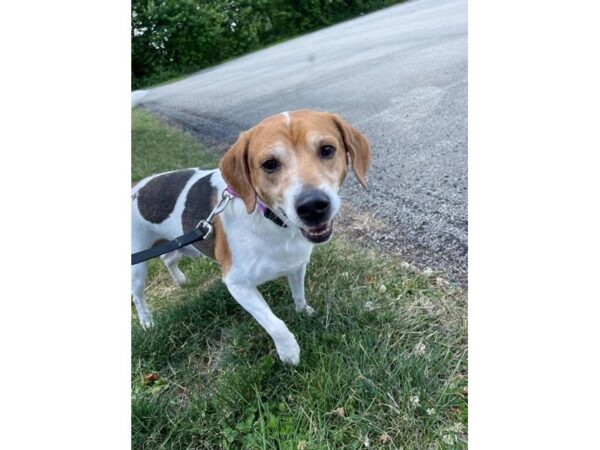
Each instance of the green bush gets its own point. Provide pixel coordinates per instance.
(174, 37)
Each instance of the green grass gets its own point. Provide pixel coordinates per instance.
(383, 362)
(156, 147)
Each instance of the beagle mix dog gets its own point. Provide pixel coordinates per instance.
(285, 172)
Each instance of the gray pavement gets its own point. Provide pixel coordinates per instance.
(400, 76)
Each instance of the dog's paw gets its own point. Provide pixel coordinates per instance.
(289, 351)
(306, 309)
(146, 322)
(309, 310)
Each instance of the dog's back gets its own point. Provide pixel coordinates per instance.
(163, 206)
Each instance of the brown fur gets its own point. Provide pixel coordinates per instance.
(157, 198)
(222, 252)
(201, 199)
(357, 147)
(236, 172)
(296, 145)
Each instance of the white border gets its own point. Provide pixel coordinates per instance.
(533, 224)
(533, 194)
(65, 171)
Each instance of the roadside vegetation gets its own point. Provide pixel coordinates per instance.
(383, 362)
(175, 37)
(157, 147)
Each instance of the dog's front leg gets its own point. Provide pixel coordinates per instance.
(296, 281)
(253, 302)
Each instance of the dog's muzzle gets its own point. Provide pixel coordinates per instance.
(314, 210)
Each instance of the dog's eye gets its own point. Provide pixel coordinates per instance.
(327, 151)
(270, 165)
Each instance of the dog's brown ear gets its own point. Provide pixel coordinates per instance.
(236, 170)
(357, 147)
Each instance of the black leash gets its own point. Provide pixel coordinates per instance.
(197, 234)
(202, 231)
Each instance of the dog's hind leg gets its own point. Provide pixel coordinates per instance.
(142, 238)
(170, 260)
(138, 283)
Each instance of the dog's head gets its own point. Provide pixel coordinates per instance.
(295, 162)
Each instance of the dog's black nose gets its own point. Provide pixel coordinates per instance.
(313, 207)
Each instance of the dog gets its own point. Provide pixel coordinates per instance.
(285, 174)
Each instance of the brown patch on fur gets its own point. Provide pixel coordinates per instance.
(357, 147)
(236, 171)
(222, 252)
(200, 200)
(157, 198)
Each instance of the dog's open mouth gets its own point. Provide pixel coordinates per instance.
(320, 233)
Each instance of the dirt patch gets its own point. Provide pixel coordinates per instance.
(361, 226)
(371, 231)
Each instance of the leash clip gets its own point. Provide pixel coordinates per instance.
(226, 197)
(207, 228)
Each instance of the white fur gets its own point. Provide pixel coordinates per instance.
(261, 251)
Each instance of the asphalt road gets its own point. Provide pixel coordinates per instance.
(400, 76)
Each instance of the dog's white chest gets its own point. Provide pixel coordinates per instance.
(260, 257)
